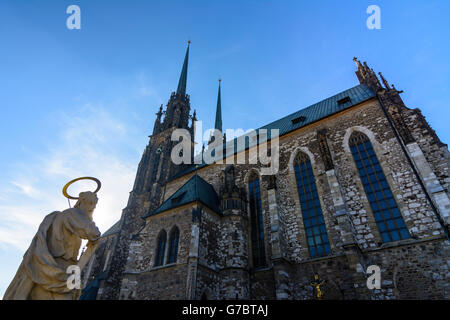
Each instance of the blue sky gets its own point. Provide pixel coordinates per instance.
(83, 102)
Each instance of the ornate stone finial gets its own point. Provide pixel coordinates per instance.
(358, 63)
(160, 112)
(220, 80)
(189, 42)
(386, 84)
(395, 89)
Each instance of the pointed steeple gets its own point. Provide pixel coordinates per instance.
(181, 90)
(218, 124)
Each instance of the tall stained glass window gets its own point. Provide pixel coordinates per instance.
(387, 215)
(173, 245)
(257, 226)
(316, 233)
(161, 248)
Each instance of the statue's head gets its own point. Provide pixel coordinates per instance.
(87, 202)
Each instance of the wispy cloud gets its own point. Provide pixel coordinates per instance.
(145, 87)
(26, 188)
(89, 144)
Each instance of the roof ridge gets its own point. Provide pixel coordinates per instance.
(312, 113)
(314, 104)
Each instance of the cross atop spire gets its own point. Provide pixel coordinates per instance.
(218, 124)
(181, 90)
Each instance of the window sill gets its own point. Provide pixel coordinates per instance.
(262, 268)
(404, 242)
(168, 265)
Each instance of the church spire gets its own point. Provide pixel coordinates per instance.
(181, 90)
(218, 124)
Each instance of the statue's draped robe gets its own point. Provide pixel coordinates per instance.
(42, 273)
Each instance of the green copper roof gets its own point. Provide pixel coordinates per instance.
(183, 77)
(218, 124)
(320, 110)
(194, 189)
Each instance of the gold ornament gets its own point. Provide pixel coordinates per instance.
(64, 190)
(316, 284)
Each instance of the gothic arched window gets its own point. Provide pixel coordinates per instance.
(387, 215)
(257, 225)
(173, 245)
(316, 233)
(161, 248)
(155, 164)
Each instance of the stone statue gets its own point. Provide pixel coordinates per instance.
(42, 273)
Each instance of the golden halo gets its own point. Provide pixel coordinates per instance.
(64, 190)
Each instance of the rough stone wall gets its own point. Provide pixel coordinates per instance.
(409, 271)
(100, 260)
(295, 248)
(130, 224)
(168, 283)
(153, 172)
(235, 284)
(224, 261)
(435, 151)
(211, 244)
(234, 233)
(338, 280)
(262, 285)
(235, 237)
(141, 259)
(410, 198)
(209, 282)
(223, 256)
(412, 271)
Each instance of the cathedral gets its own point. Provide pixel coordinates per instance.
(362, 190)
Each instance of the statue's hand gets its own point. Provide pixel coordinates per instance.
(92, 243)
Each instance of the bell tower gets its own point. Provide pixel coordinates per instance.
(156, 166)
(154, 170)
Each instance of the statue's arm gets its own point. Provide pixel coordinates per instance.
(82, 226)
